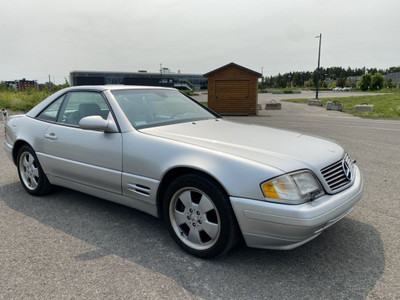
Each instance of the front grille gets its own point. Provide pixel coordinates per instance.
(339, 173)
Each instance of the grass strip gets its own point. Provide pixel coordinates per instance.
(386, 106)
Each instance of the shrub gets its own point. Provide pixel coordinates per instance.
(21, 100)
(365, 82)
(291, 91)
(377, 81)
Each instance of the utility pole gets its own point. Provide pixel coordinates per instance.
(262, 77)
(319, 58)
(50, 85)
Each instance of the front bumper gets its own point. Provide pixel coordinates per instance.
(279, 226)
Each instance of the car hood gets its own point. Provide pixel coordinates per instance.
(280, 149)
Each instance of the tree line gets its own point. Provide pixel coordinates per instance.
(331, 77)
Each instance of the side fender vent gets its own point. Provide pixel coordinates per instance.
(139, 189)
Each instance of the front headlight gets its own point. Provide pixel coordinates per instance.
(293, 188)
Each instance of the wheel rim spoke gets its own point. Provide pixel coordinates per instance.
(205, 204)
(211, 229)
(25, 175)
(26, 161)
(33, 182)
(35, 172)
(31, 160)
(186, 199)
(194, 236)
(180, 218)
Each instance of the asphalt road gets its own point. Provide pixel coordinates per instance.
(70, 245)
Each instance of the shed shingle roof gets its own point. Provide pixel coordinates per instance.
(232, 64)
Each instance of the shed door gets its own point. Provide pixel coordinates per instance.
(232, 89)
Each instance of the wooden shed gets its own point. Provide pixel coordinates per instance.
(233, 90)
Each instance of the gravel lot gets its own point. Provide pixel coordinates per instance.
(70, 245)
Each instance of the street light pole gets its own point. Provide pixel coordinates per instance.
(262, 77)
(319, 58)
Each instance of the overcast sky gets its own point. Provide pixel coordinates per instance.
(42, 37)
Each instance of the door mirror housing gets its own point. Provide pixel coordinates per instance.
(98, 123)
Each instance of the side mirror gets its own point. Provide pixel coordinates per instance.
(97, 123)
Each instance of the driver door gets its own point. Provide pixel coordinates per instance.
(87, 157)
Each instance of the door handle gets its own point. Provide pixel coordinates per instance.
(51, 136)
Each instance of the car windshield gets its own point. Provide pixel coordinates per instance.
(156, 107)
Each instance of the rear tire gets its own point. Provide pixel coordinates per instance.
(199, 217)
(30, 172)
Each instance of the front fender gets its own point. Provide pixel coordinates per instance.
(153, 157)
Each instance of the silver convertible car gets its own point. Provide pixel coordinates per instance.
(212, 181)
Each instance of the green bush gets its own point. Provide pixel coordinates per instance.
(21, 100)
(25, 100)
(189, 93)
(377, 81)
(287, 91)
(365, 82)
(291, 91)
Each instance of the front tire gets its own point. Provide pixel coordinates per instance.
(199, 216)
(30, 172)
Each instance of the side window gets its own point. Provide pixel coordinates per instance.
(82, 104)
(50, 113)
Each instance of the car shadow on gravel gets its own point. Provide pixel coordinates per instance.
(345, 261)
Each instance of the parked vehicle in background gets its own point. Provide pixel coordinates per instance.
(342, 89)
